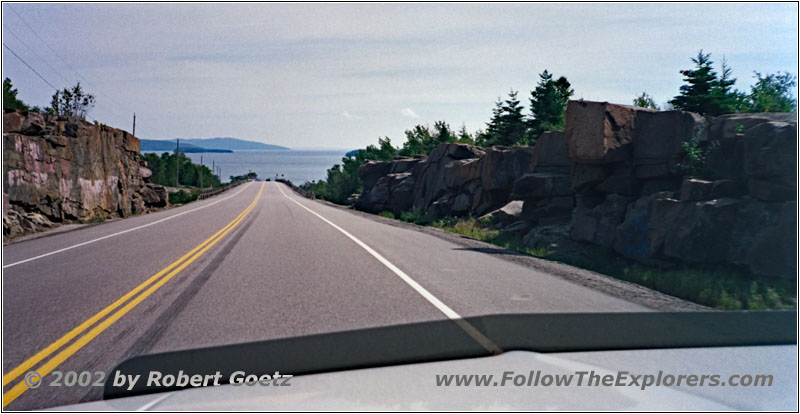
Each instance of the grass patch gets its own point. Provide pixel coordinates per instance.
(414, 216)
(387, 214)
(727, 289)
(182, 197)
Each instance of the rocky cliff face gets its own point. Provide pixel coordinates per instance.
(616, 178)
(63, 169)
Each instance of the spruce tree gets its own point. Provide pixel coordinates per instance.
(493, 128)
(512, 128)
(548, 105)
(707, 93)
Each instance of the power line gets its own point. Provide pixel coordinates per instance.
(88, 83)
(30, 67)
(45, 43)
(36, 54)
(38, 74)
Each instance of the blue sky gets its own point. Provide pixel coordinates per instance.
(341, 75)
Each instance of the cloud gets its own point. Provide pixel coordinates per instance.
(409, 113)
(348, 115)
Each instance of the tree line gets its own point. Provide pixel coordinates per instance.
(705, 91)
(708, 92)
(167, 166)
(72, 101)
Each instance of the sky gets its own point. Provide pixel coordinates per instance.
(340, 75)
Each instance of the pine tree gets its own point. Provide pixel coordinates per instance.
(548, 105)
(512, 127)
(10, 99)
(707, 93)
(493, 127)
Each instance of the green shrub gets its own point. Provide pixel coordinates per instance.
(387, 214)
(182, 197)
(695, 157)
(414, 216)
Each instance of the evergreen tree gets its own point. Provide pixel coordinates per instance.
(548, 105)
(10, 99)
(442, 132)
(707, 93)
(728, 100)
(463, 136)
(494, 127)
(513, 127)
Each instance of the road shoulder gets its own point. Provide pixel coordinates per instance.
(614, 287)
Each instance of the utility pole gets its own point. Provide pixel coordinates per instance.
(177, 162)
(201, 171)
(134, 124)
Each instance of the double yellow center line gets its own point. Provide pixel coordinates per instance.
(151, 285)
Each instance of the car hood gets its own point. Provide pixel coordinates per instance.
(414, 386)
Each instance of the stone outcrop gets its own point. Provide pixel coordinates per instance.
(616, 179)
(63, 169)
(640, 202)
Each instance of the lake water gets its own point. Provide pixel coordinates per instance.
(298, 166)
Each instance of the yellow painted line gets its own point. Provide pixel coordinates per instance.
(176, 267)
(25, 366)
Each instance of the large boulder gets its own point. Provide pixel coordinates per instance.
(695, 232)
(550, 153)
(729, 126)
(459, 172)
(393, 192)
(507, 214)
(541, 185)
(154, 195)
(763, 238)
(600, 132)
(770, 160)
(430, 184)
(659, 135)
(501, 166)
(371, 171)
(598, 225)
(402, 192)
(633, 238)
(549, 210)
(585, 177)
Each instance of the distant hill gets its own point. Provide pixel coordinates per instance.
(231, 144)
(169, 146)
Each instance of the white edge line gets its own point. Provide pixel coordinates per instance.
(449, 312)
(124, 231)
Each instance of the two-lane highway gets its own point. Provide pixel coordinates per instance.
(258, 262)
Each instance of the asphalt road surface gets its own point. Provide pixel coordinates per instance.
(257, 262)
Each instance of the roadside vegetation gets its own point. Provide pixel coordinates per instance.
(166, 166)
(726, 289)
(704, 91)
